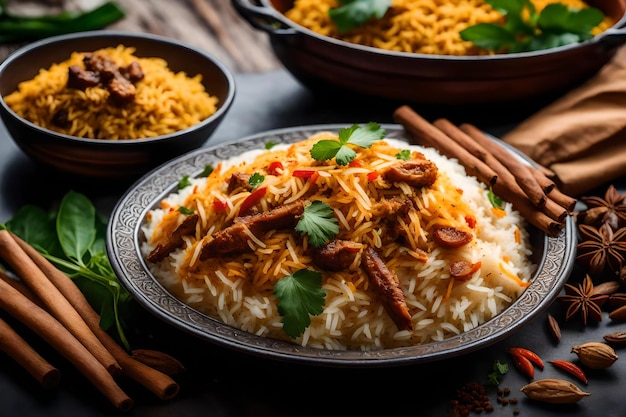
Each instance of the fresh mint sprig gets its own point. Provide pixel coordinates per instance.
(363, 136)
(525, 30)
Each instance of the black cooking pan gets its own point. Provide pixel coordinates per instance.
(327, 64)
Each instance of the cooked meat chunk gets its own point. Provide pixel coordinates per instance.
(121, 90)
(102, 65)
(80, 78)
(132, 72)
(415, 172)
(175, 240)
(234, 239)
(60, 118)
(102, 70)
(451, 237)
(385, 283)
(239, 180)
(336, 254)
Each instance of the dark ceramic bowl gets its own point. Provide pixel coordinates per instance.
(329, 65)
(107, 158)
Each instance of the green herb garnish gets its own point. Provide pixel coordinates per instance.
(184, 182)
(184, 210)
(269, 145)
(208, 169)
(73, 239)
(18, 28)
(499, 369)
(256, 179)
(299, 296)
(404, 154)
(319, 223)
(355, 135)
(354, 13)
(556, 25)
(495, 200)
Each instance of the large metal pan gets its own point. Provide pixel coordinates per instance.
(327, 64)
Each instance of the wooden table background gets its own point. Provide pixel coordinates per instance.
(213, 25)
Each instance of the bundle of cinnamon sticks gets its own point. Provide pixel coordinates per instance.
(526, 187)
(49, 303)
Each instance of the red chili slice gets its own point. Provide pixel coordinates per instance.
(219, 205)
(303, 173)
(252, 199)
(275, 168)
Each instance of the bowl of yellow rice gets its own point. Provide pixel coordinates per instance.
(415, 53)
(111, 104)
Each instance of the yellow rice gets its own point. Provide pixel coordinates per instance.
(238, 289)
(165, 101)
(416, 26)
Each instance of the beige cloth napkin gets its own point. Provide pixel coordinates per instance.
(581, 136)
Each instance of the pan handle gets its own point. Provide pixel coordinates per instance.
(262, 17)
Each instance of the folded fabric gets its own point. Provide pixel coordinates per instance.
(581, 137)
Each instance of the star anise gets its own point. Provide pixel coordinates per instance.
(601, 248)
(581, 300)
(611, 209)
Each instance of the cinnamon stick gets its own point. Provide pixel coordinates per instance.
(36, 280)
(538, 175)
(518, 171)
(510, 183)
(424, 133)
(60, 338)
(428, 134)
(23, 353)
(163, 386)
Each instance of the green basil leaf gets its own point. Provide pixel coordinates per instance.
(76, 228)
(488, 36)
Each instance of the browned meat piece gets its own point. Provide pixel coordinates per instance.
(80, 78)
(175, 240)
(336, 254)
(239, 180)
(121, 90)
(102, 65)
(60, 118)
(451, 237)
(415, 172)
(385, 283)
(132, 72)
(233, 240)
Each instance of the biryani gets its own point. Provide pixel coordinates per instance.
(416, 26)
(338, 245)
(112, 94)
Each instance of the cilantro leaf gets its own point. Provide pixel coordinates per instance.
(354, 13)
(256, 179)
(499, 369)
(270, 145)
(299, 296)
(318, 222)
(356, 135)
(403, 155)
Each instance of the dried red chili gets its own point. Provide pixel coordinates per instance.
(572, 368)
(528, 354)
(523, 365)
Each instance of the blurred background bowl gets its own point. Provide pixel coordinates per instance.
(104, 158)
(328, 65)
